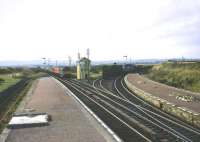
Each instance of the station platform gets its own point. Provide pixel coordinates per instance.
(168, 93)
(70, 121)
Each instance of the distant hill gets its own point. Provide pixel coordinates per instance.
(65, 62)
(139, 61)
(12, 63)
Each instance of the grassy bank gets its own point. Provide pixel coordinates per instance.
(177, 74)
(7, 80)
(12, 96)
(11, 105)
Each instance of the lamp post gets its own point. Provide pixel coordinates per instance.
(125, 58)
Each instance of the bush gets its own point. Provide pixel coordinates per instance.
(186, 76)
(1, 81)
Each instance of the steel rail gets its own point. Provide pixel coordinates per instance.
(108, 111)
(105, 89)
(188, 127)
(172, 118)
(169, 129)
(168, 117)
(159, 121)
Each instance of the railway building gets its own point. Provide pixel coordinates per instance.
(83, 68)
(112, 71)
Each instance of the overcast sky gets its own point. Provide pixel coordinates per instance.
(140, 29)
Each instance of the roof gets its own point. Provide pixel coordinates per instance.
(84, 59)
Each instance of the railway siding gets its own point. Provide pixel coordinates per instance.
(181, 112)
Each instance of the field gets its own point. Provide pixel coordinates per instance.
(178, 74)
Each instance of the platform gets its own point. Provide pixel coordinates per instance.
(166, 92)
(70, 121)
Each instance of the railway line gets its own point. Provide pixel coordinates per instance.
(164, 126)
(171, 122)
(103, 111)
(138, 121)
(120, 88)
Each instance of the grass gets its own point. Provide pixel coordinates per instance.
(180, 75)
(7, 81)
(95, 75)
(13, 104)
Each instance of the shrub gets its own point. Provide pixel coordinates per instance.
(2, 80)
(181, 75)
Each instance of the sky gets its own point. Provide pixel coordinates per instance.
(111, 29)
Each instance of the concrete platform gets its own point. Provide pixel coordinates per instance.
(70, 121)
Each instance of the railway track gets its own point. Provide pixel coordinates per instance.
(169, 122)
(163, 132)
(138, 122)
(109, 115)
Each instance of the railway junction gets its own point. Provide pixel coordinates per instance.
(102, 110)
(70, 120)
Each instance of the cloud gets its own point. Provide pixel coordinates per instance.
(110, 28)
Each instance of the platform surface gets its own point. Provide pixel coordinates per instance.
(69, 122)
(165, 92)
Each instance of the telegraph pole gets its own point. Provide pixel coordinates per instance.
(88, 53)
(56, 63)
(126, 57)
(70, 60)
(44, 61)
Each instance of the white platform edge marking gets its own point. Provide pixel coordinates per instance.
(91, 112)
